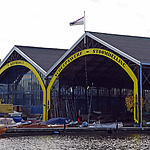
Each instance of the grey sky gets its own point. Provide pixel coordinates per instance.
(45, 23)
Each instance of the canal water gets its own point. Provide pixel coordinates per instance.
(85, 141)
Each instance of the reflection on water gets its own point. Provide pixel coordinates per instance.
(76, 141)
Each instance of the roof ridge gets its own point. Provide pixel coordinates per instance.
(130, 36)
(38, 47)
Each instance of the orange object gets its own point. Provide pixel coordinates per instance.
(2, 129)
(41, 126)
(32, 126)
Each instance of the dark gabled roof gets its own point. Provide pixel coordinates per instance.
(136, 47)
(44, 57)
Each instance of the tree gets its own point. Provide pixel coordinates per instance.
(129, 101)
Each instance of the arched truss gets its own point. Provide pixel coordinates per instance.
(29, 66)
(102, 52)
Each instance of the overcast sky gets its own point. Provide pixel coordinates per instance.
(45, 23)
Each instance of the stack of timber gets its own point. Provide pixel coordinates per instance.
(5, 108)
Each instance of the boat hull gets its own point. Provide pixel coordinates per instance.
(2, 129)
(107, 125)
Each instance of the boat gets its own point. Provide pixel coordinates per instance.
(57, 126)
(2, 129)
(37, 125)
(15, 114)
(57, 121)
(98, 124)
(106, 125)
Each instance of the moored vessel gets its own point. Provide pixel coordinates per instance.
(2, 128)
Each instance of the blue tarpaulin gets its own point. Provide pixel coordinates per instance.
(57, 121)
(17, 119)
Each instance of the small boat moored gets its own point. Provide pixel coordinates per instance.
(115, 125)
(2, 128)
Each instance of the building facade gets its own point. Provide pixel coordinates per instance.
(90, 81)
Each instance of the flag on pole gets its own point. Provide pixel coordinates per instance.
(77, 22)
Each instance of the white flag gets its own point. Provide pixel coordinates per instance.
(77, 22)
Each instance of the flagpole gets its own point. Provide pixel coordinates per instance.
(84, 32)
(84, 21)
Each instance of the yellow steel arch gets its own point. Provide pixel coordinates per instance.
(26, 64)
(107, 54)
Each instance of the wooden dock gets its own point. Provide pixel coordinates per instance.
(72, 130)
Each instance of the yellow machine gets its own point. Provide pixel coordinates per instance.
(5, 108)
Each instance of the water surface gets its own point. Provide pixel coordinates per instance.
(85, 141)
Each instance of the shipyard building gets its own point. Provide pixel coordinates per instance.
(101, 77)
